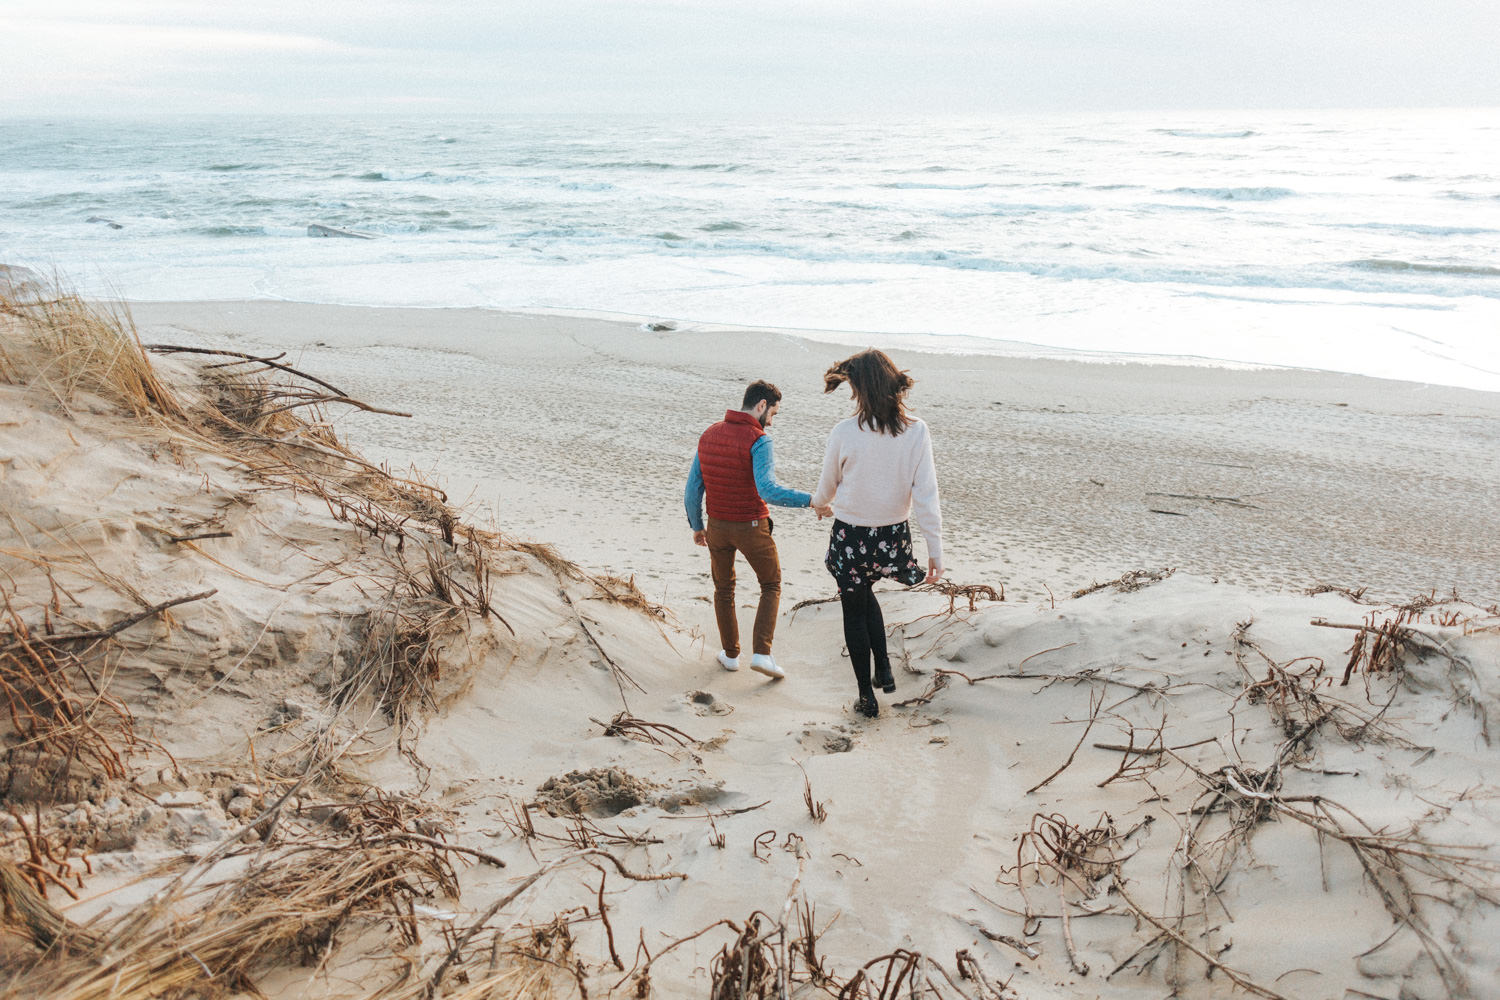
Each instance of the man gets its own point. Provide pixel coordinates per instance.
(735, 467)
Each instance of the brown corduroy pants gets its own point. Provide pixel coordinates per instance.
(753, 540)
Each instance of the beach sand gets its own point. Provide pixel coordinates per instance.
(1271, 827)
(579, 432)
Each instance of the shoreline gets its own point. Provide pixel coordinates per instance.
(1055, 474)
(961, 344)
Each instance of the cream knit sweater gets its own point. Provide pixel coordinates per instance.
(874, 479)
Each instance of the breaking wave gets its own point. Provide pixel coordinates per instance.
(1237, 193)
(1462, 270)
(1182, 133)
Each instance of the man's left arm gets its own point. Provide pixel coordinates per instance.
(770, 490)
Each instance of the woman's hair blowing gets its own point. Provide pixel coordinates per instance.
(879, 390)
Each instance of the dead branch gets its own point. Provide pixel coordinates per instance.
(655, 733)
(346, 400)
(453, 953)
(1029, 950)
(1091, 675)
(1231, 501)
(609, 932)
(443, 845)
(1151, 751)
(25, 908)
(1357, 596)
(968, 968)
(1132, 581)
(972, 592)
(721, 813)
(810, 602)
(1239, 979)
(1043, 652)
(268, 362)
(107, 632)
(618, 672)
(1079, 966)
(641, 976)
(1094, 706)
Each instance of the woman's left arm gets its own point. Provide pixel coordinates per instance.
(926, 507)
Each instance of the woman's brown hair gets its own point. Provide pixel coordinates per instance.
(879, 390)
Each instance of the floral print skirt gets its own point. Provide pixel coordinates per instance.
(859, 556)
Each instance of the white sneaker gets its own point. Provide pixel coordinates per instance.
(728, 662)
(762, 663)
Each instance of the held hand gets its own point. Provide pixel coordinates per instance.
(823, 510)
(933, 571)
(700, 538)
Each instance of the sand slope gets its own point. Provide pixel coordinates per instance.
(358, 683)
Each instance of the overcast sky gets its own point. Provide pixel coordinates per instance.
(744, 56)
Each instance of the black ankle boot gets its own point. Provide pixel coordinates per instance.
(867, 705)
(883, 678)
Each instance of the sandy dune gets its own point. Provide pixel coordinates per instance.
(360, 685)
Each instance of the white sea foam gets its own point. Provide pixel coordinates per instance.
(1357, 242)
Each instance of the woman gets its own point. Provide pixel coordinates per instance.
(877, 471)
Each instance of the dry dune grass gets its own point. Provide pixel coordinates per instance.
(280, 890)
(70, 346)
(268, 415)
(66, 727)
(277, 429)
(63, 720)
(212, 931)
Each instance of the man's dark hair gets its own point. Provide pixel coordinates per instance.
(759, 390)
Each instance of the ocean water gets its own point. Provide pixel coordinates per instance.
(1363, 242)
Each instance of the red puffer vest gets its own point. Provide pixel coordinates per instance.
(728, 471)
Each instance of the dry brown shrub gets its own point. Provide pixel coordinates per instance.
(618, 590)
(55, 339)
(214, 941)
(398, 663)
(25, 910)
(1135, 580)
(281, 432)
(65, 728)
(556, 563)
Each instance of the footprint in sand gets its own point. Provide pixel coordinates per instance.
(838, 739)
(707, 703)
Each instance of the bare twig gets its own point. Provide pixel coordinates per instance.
(1094, 705)
(268, 362)
(1239, 979)
(107, 632)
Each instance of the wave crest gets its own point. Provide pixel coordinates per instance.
(1183, 133)
(1238, 193)
(1464, 270)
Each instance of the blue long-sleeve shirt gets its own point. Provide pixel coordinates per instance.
(763, 461)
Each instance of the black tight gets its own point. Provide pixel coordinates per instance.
(864, 634)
